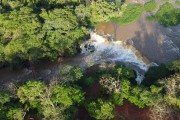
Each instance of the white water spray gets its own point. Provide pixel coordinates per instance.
(98, 50)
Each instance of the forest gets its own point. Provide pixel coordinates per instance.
(34, 31)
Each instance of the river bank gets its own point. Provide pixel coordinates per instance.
(150, 42)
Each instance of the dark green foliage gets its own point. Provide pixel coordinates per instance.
(155, 73)
(167, 15)
(5, 96)
(101, 109)
(70, 113)
(89, 81)
(131, 13)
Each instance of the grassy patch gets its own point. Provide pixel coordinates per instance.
(165, 0)
(167, 15)
(177, 2)
(151, 6)
(131, 13)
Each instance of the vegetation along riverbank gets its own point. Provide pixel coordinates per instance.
(52, 67)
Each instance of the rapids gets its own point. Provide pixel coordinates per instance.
(100, 50)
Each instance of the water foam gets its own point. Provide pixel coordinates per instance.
(109, 51)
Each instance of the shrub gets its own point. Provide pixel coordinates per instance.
(165, 0)
(177, 2)
(167, 15)
(151, 6)
(131, 13)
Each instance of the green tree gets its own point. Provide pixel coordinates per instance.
(36, 95)
(101, 110)
(31, 92)
(139, 96)
(67, 96)
(16, 113)
(19, 29)
(83, 14)
(118, 98)
(172, 88)
(102, 11)
(60, 39)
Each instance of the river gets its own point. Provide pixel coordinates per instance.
(136, 45)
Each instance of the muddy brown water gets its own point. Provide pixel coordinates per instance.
(157, 43)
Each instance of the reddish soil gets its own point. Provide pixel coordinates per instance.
(91, 92)
(83, 114)
(131, 112)
(94, 91)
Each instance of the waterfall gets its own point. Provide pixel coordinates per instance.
(98, 50)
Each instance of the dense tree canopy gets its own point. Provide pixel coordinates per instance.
(34, 30)
(38, 36)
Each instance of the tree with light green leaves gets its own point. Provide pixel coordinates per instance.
(118, 98)
(101, 110)
(67, 95)
(52, 101)
(31, 93)
(102, 11)
(16, 113)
